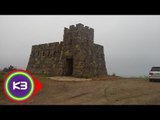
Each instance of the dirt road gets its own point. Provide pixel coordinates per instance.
(118, 91)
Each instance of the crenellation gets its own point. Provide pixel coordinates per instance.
(66, 29)
(79, 26)
(91, 30)
(72, 27)
(86, 28)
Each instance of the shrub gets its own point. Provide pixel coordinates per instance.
(113, 74)
(10, 68)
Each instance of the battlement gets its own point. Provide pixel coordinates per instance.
(45, 46)
(47, 49)
(78, 26)
(73, 33)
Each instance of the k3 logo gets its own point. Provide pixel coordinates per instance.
(20, 85)
(23, 85)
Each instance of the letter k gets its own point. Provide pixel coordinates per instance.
(15, 85)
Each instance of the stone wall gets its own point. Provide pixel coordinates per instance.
(76, 55)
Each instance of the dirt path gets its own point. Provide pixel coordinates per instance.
(96, 92)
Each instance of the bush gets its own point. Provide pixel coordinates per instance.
(5, 71)
(10, 68)
(113, 74)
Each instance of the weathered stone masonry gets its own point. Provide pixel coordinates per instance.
(76, 55)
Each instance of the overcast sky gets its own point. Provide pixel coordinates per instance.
(131, 43)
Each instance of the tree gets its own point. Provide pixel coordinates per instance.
(10, 68)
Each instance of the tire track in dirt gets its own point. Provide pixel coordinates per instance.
(79, 95)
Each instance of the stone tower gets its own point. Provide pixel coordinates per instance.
(76, 55)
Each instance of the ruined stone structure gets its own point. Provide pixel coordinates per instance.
(76, 55)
